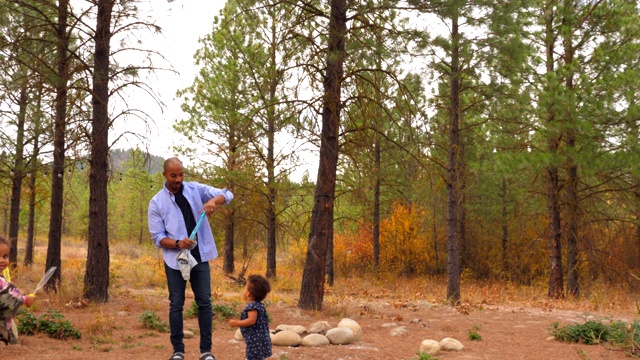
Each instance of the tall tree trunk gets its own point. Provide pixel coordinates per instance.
(321, 232)
(465, 254)
(454, 168)
(572, 169)
(28, 255)
(434, 222)
(573, 277)
(556, 289)
(228, 266)
(16, 176)
(96, 280)
(554, 245)
(59, 128)
(271, 234)
(271, 177)
(505, 228)
(376, 203)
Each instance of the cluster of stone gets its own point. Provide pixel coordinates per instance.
(433, 347)
(348, 331)
(320, 333)
(429, 346)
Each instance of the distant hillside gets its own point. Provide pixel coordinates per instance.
(119, 157)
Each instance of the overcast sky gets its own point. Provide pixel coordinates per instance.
(183, 22)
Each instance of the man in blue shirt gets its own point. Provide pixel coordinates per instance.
(172, 217)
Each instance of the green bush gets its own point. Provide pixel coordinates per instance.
(51, 323)
(192, 311)
(591, 332)
(27, 322)
(615, 333)
(424, 356)
(151, 320)
(474, 334)
(224, 311)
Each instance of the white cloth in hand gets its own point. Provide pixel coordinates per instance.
(186, 261)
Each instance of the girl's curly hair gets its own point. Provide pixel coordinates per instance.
(258, 286)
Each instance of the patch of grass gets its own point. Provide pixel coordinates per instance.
(614, 333)
(27, 321)
(225, 311)
(100, 325)
(130, 346)
(151, 320)
(105, 349)
(100, 340)
(220, 310)
(192, 311)
(51, 323)
(424, 356)
(474, 335)
(591, 332)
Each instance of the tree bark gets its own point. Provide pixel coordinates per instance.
(321, 232)
(376, 204)
(28, 254)
(453, 169)
(59, 128)
(228, 265)
(554, 246)
(16, 177)
(96, 280)
(271, 177)
(505, 228)
(573, 287)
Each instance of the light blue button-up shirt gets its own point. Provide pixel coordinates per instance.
(166, 220)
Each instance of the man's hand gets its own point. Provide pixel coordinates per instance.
(186, 243)
(210, 206)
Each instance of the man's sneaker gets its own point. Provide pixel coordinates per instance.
(177, 356)
(207, 356)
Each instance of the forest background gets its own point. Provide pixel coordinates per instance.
(463, 140)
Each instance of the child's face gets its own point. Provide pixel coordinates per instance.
(4, 257)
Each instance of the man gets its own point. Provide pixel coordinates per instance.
(172, 217)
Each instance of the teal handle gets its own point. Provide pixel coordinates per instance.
(195, 229)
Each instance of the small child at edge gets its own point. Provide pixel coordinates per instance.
(10, 298)
(254, 323)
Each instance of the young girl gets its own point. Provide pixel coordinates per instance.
(10, 298)
(254, 323)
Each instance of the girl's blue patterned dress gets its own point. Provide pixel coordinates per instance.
(257, 336)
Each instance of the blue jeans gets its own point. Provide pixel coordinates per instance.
(201, 286)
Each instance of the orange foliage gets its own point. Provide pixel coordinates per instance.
(353, 252)
(405, 248)
(404, 245)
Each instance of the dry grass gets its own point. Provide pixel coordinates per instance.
(138, 269)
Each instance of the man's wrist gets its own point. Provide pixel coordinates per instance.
(177, 244)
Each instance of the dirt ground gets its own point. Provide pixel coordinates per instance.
(113, 331)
